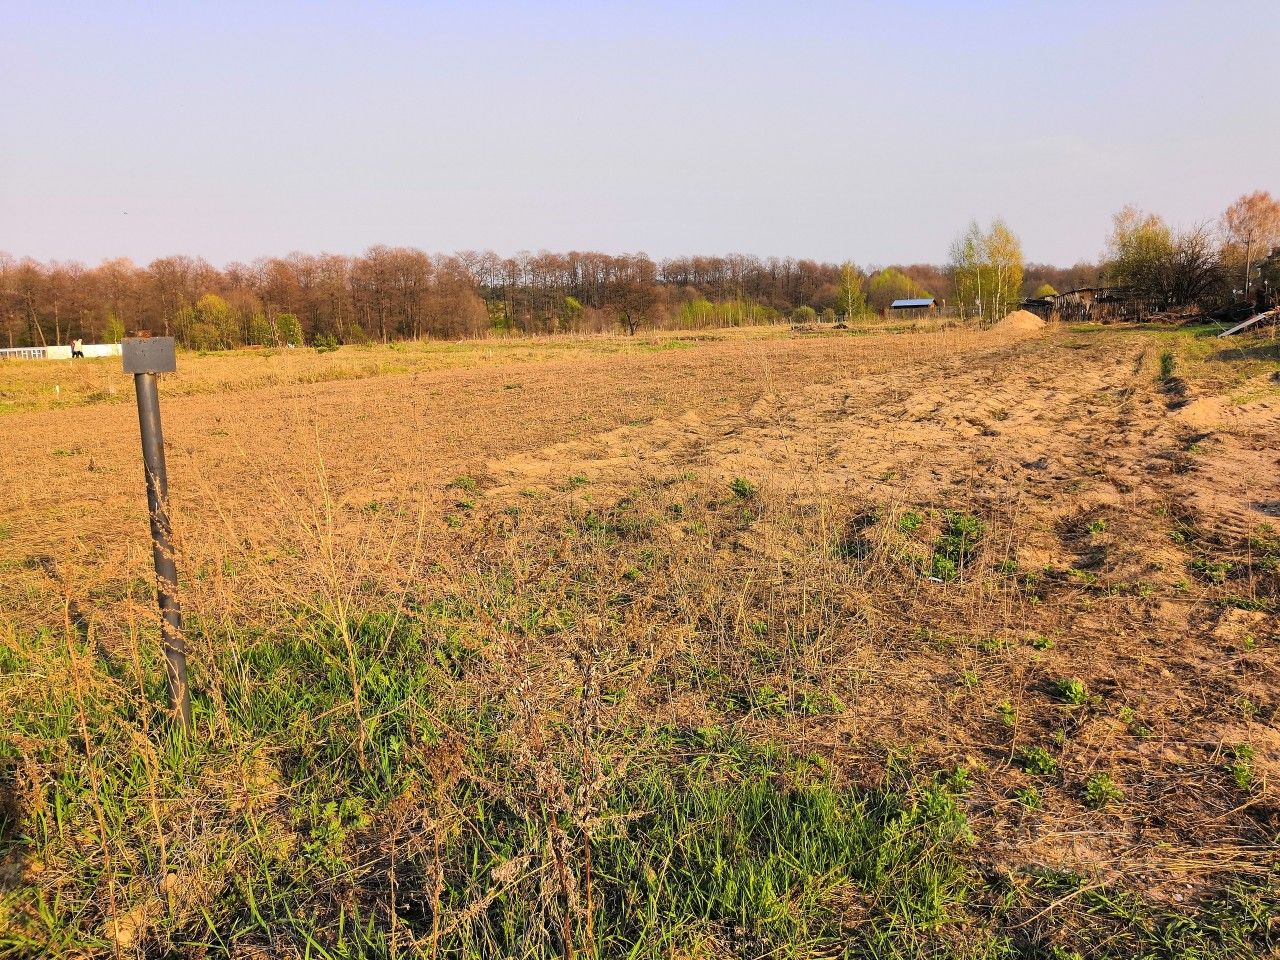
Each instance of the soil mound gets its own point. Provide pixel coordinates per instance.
(1020, 321)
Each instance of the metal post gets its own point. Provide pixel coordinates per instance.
(144, 358)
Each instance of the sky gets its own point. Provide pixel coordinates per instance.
(865, 131)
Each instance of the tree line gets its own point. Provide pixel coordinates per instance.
(391, 293)
(1206, 266)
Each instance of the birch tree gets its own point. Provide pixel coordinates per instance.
(987, 270)
(852, 301)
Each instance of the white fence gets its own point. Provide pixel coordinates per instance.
(59, 352)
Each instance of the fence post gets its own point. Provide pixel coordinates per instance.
(144, 358)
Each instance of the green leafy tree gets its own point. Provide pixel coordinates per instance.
(259, 330)
(215, 312)
(889, 285)
(987, 268)
(968, 252)
(1168, 268)
(1004, 253)
(202, 336)
(804, 314)
(850, 299)
(572, 312)
(209, 325)
(113, 332)
(1139, 250)
(697, 313)
(1045, 290)
(288, 329)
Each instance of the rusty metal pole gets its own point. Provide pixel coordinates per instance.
(144, 358)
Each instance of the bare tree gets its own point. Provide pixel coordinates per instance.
(632, 291)
(1252, 226)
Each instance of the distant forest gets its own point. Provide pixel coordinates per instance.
(393, 293)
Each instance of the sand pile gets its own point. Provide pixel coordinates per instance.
(1020, 321)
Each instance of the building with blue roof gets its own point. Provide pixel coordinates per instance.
(911, 307)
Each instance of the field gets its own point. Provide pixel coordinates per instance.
(755, 643)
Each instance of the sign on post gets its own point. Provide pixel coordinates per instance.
(145, 357)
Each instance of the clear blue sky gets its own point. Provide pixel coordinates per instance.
(871, 131)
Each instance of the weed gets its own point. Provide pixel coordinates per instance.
(1129, 717)
(1029, 797)
(1214, 571)
(765, 699)
(943, 568)
(742, 488)
(1008, 715)
(961, 534)
(1097, 526)
(1071, 690)
(1038, 761)
(910, 520)
(1087, 577)
(1246, 603)
(818, 704)
(1241, 766)
(1167, 364)
(1041, 642)
(1100, 790)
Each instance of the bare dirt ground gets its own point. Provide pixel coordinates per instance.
(1054, 433)
(816, 487)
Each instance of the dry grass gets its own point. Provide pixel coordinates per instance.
(41, 385)
(775, 645)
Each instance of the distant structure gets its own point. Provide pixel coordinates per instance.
(1090, 305)
(911, 307)
(59, 352)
